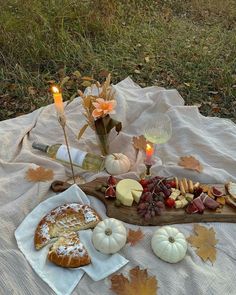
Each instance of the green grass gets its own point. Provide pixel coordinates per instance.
(188, 45)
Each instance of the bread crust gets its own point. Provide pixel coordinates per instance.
(230, 201)
(64, 219)
(229, 188)
(68, 251)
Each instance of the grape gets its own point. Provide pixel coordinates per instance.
(197, 192)
(142, 206)
(160, 204)
(150, 186)
(146, 197)
(157, 209)
(157, 189)
(162, 195)
(166, 191)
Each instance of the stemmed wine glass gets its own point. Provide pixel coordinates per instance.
(158, 131)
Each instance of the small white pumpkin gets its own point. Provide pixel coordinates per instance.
(169, 244)
(109, 236)
(117, 163)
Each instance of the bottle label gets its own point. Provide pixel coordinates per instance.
(77, 156)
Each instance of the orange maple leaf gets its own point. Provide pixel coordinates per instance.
(139, 284)
(205, 242)
(39, 174)
(189, 162)
(134, 236)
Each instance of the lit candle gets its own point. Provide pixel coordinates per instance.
(58, 101)
(149, 153)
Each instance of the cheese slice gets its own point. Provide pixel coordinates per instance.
(128, 190)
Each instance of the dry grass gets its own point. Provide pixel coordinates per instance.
(189, 45)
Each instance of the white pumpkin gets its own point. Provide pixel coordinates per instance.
(169, 244)
(109, 236)
(117, 163)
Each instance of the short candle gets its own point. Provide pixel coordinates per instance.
(149, 153)
(58, 101)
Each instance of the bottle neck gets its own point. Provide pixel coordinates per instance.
(40, 146)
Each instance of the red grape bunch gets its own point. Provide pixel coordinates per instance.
(155, 191)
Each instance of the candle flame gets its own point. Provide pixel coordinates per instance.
(148, 147)
(55, 89)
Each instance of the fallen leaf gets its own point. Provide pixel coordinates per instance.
(216, 109)
(77, 74)
(64, 80)
(213, 92)
(86, 83)
(189, 162)
(61, 73)
(103, 73)
(32, 90)
(187, 84)
(39, 174)
(86, 78)
(139, 142)
(205, 242)
(137, 71)
(134, 236)
(147, 59)
(12, 86)
(197, 104)
(139, 284)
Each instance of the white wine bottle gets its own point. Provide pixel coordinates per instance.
(84, 160)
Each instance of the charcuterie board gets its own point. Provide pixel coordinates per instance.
(130, 215)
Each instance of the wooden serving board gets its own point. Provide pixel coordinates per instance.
(130, 215)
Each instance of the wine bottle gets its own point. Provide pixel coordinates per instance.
(84, 160)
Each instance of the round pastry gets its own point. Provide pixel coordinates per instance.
(64, 219)
(68, 251)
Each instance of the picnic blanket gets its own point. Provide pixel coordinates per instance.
(211, 140)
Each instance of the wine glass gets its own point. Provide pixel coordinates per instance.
(158, 131)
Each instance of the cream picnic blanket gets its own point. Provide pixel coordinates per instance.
(211, 140)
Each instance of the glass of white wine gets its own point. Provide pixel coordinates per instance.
(158, 131)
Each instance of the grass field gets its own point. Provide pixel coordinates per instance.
(188, 45)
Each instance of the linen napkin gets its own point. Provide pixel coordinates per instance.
(63, 280)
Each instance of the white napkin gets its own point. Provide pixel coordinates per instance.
(60, 279)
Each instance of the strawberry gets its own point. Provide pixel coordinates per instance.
(171, 183)
(144, 182)
(170, 203)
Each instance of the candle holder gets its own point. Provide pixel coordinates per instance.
(147, 174)
(62, 122)
(58, 101)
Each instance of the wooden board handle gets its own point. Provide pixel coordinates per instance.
(60, 186)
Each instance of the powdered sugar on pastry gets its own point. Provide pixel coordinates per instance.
(68, 251)
(64, 218)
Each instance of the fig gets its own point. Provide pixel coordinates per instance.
(110, 192)
(111, 181)
(216, 192)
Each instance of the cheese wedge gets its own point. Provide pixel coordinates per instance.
(128, 190)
